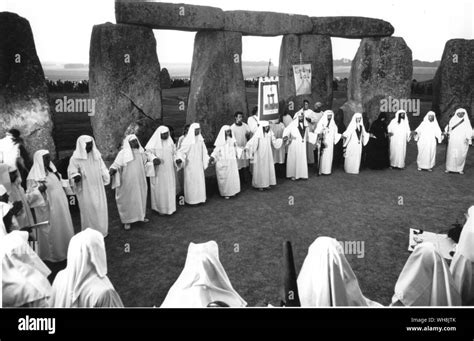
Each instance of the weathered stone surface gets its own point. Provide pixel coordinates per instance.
(123, 67)
(163, 15)
(381, 68)
(453, 85)
(266, 23)
(351, 27)
(217, 88)
(143, 128)
(316, 50)
(23, 91)
(165, 79)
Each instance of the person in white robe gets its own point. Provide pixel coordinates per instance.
(24, 276)
(328, 136)
(355, 138)
(462, 265)
(400, 135)
(193, 156)
(4, 209)
(296, 135)
(287, 118)
(459, 135)
(203, 281)
(11, 179)
(326, 279)
(427, 135)
(53, 240)
(260, 151)
(425, 280)
(224, 156)
(129, 181)
(253, 122)
(162, 184)
(311, 119)
(84, 282)
(9, 151)
(241, 133)
(179, 173)
(277, 127)
(90, 176)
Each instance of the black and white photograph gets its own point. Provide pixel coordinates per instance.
(265, 160)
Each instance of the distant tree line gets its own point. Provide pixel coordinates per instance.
(68, 86)
(422, 88)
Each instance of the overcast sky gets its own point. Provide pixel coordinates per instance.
(62, 28)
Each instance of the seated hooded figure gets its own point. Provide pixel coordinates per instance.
(425, 280)
(203, 281)
(24, 275)
(462, 266)
(326, 279)
(84, 282)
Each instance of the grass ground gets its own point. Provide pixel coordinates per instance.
(250, 229)
(361, 208)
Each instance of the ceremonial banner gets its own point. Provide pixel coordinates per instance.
(302, 74)
(268, 106)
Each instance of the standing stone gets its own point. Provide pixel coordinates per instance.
(266, 23)
(217, 88)
(316, 50)
(453, 85)
(163, 15)
(23, 90)
(351, 27)
(165, 79)
(123, 68)
(382, 68)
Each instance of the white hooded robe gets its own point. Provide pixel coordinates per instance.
(90, 190)
(460, 138)
(398, 142)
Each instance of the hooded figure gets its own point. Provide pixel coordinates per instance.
(296, 135)
(326, 279)
(355, 137)
(400, 135)
(328, 137)
(5, 208)
(53, 240)
(194, 158)
(311, 120)
(277, 127)
(132, 189)
(163, 184)
(378, 146)
(24, 275)
(462, 265)
(226, 153)
(84, 282)
(427, 135)
(261, 155)
(425, 280)
(202, 281)
(459, 133)
(90, 175)
(10, 178)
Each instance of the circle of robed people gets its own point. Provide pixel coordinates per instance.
(258, 146)
(256, 150)
(325, 279)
